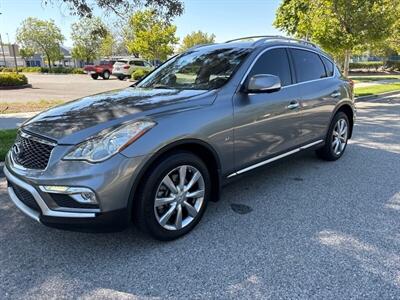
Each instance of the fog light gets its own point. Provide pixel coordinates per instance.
(79, 194)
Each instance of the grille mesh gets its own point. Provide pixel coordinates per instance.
(25, 196)
(31, 153)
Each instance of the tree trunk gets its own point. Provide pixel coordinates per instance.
(49, 61)
(346, 66)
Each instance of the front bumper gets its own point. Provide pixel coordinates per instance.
(111, 180)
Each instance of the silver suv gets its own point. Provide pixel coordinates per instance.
(156, 153)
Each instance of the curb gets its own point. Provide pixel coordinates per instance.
(373, 97)
(16, 87)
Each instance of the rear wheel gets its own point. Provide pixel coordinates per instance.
(174, 196)
(336, 139)
(94, 76)
(106, 75)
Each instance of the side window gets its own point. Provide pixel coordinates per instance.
(328, 66)
(274, 62)
(308, 65)
(138, 63)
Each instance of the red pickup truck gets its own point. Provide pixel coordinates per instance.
(104, 69)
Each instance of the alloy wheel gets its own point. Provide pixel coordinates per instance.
(339, 136)
(179, 197)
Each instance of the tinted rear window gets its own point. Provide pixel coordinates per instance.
(308, 65)
(274, 62)
(328, 66)
(137, 63)
(122, 61)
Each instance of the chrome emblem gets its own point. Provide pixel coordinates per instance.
(17, 149)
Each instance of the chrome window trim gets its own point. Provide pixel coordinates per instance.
(288, 47)
(46, 211)
(241, 171)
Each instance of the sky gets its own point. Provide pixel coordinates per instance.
(227, 19)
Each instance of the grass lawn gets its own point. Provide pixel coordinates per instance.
(369, 78)
(376, 89)
(16, 107)
(7, 138)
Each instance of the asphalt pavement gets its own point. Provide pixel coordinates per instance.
(300, 229)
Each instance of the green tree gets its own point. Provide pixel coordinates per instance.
(88, 36)
(108, 45)
(84, 8)
(196, 38)
(150, 36)
(42, 37)
(339, 26)
(26, 53)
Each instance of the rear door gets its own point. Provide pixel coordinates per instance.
(266, 124)
(318, 91)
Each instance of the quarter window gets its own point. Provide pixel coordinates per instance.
(308, 65)
(328, 66)
(274, 62)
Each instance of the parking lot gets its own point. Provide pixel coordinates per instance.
(60, 87)
(302, 228)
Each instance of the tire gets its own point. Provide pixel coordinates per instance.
(161, 221)
(94, 76)
(336, 138)
(106, 75)
(121, 77)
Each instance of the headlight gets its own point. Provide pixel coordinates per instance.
(104, 146)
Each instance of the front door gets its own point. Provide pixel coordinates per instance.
(267, 124)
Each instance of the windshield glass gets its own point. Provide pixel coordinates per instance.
(196, 69)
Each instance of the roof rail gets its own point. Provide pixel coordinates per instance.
(264, 38)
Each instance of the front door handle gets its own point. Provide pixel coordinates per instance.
(335, 94)
(293, 105)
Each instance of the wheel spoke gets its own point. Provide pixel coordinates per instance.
(178, 220)
(167, 181)
(335, 142)
(165, 218)
(337, 146)
(191, 210)
(182, 176)
(335, 133)
(192, 181)
(164, 201)
(195, 194)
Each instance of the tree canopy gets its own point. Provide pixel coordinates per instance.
(84, 8)
(39, 36)
(339, 26)
(89, 36)
(150, 36)
(196, 38)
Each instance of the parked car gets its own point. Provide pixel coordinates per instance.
(158, 152)
(104, 69)
(124, 68)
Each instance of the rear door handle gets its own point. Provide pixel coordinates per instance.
(293, 105)
(335, 94)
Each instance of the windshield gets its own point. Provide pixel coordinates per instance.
(196, 69)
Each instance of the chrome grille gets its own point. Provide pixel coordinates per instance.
(31, 152)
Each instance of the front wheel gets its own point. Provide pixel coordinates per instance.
(336, 139)
(174, 196)
(94, 76)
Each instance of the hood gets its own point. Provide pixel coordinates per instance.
(74, 121)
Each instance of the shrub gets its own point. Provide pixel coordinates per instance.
(368, 65)
(139, 74)
(12, 79)
(393, 65)
(77, 71)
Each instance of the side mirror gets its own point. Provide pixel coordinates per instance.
(263, 83)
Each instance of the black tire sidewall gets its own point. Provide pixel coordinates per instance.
(145, 214)
(94, 76)
(329, 138)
